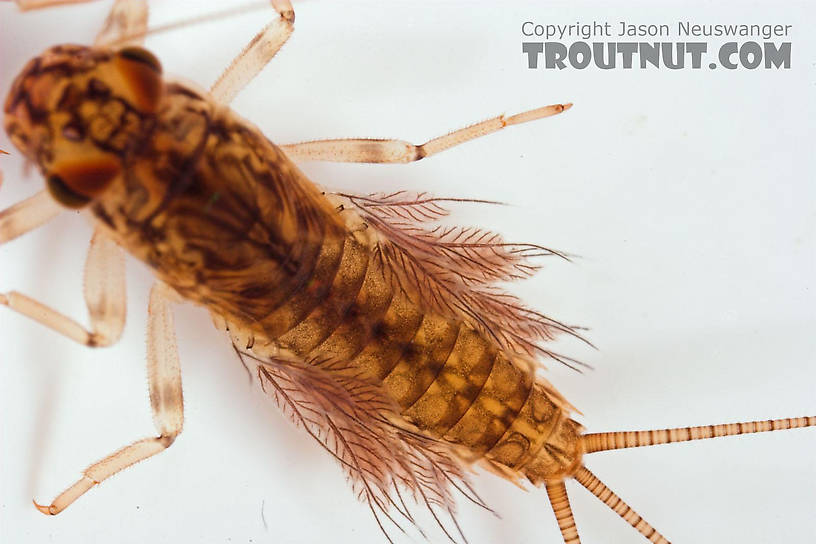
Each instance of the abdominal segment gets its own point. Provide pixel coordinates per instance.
(446, 378)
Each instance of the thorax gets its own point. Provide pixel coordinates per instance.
(215, 208)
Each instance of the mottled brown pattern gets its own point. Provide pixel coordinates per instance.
(303, 300)
(380, 330)
(448, 379)
(456, 386)
(528, 432)
(229, 222)
(242, 231)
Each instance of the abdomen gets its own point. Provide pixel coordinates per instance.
(229, 222)
(446, 377)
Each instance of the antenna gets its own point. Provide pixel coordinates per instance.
(249, 7)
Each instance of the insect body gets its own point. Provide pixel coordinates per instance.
(229, 222)
(380, 335)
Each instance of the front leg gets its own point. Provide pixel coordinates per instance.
(27, 215)
(166, 402)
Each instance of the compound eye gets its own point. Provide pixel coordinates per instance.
(75, 183)
(142, 73)
(63, 194)
(142, 55)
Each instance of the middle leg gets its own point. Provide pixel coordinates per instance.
(105, 297)
(258, 52)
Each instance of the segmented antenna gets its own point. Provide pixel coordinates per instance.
(249, 7)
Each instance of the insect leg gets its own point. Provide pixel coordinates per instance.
(399, 151)
(258, 52)
(557, 492)
(104, 297)
(27, 215)
(126, 24)
(166, 402)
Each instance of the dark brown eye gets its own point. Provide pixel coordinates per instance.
(142, 75)
(141, 55)
(75, 182)
(64, 195)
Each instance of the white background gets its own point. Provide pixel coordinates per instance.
(689, 196)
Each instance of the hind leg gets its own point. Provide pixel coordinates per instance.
(166, 402)
(399, 151)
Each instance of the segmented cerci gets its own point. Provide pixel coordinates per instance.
(377, 330)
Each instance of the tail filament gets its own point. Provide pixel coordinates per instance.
(559, 501)
(608, 497)
(595, 442)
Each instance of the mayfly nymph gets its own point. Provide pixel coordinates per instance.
(379, 331)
